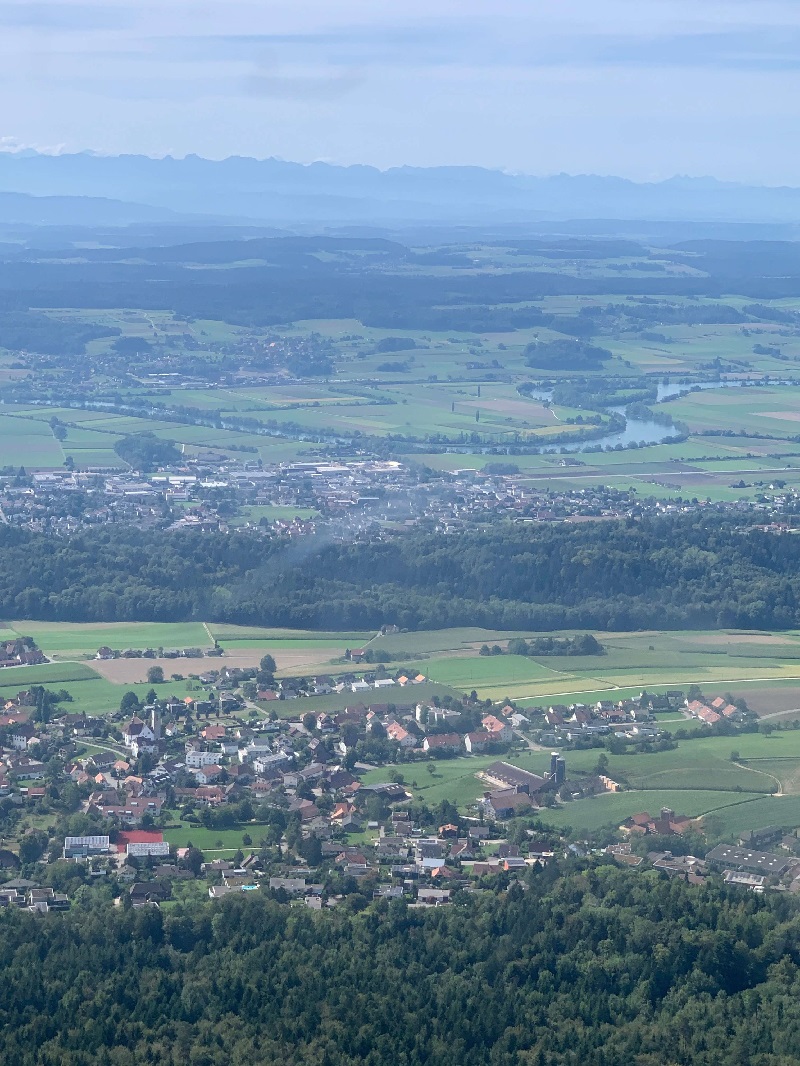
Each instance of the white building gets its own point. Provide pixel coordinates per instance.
(197, 759)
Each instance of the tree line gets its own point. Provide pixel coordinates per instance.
(673, 572)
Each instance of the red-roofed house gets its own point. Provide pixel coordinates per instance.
(499, 731)
(442, 742)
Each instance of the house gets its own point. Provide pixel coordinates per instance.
(295, 886)
(342, 811)
(213, 732)
(207, 774)
(442, 742)
(26, 769)
(433, 897)
(396, 732)
(143, 893)
(429, 854)
(23, 736)
(501, 732)
(196, 758)
(476, 742)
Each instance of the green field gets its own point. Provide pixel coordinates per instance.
(207, 839)
(612, 808)
(81, 639)
(17, 677)
(229, 633)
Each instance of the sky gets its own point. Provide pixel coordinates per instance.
(641, 88)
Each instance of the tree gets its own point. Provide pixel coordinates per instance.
(32, 845)
(268, 665)
(155, 675)
(129, 704)
(310, 849)
(193, 860)
(601, 766)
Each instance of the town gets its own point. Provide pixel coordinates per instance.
(321, 807)
(346, 498)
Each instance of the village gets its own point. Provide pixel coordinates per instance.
(319, 807)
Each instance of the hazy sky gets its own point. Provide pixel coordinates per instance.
(642, 88)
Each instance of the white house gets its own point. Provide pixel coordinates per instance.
(197, 759)
(499, 731)
(207, 774)
(396, 732)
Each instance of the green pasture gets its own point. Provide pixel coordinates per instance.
(81, 639)
(754, 813)
(509, 672)
(19, 677)
(26, 442)
(612, 808)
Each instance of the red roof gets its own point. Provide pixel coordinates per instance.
(138, 836)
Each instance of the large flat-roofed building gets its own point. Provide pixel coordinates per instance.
(148, 847)
(83, 847)
(760, 862)
(504, 775)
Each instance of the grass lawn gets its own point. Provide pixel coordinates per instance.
(271, 514)
(452, 779)
(207, 840)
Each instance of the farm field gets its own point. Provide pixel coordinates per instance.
(612, 808)
(772, 410)
(225, 633)
(69, 640)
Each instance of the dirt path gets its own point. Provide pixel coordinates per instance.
(747, 766)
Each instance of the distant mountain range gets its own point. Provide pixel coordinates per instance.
(129, 189)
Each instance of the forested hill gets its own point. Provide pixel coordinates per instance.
(603, 967)
(678, 572)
